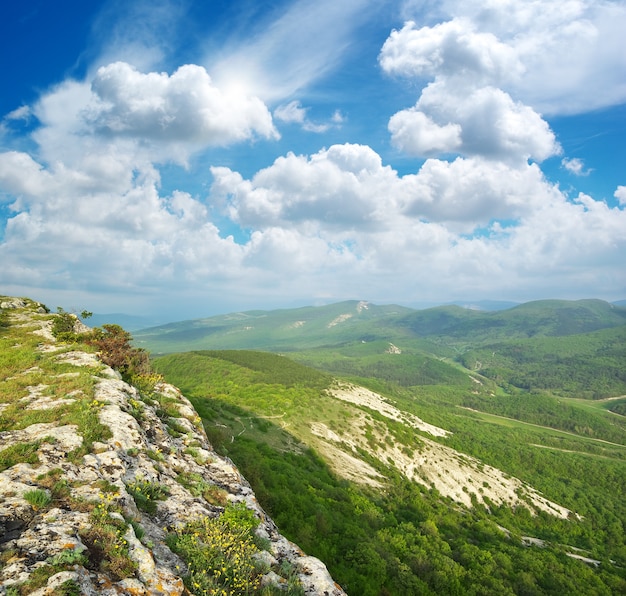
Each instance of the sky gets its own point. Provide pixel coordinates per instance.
(183, 158)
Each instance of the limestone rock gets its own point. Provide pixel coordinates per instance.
(53, 513)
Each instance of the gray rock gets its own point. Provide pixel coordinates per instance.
(140, 449)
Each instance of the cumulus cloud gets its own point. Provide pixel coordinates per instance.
(453, 48)
(465, 224)
(491, 71)
(185, 106)
(339, 222)
(463, 110)
(154, 115)
(554, 57)
(116, 237)
(481, 121)
(416, 133)
(348, 187)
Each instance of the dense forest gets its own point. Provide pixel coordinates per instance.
(404, 537)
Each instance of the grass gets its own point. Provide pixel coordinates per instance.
(38, 498)
(199, 487)
(19, 453)
(107, 548)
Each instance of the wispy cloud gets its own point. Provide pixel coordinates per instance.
(294, 113)
(575, 166)
(291, 52)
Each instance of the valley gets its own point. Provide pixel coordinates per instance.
(414, 467)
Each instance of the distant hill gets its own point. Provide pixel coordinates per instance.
(277, 330)
(487, 304)
(345, 322)
(539, 318)
(128, 322)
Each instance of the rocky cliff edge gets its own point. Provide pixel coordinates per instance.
(107, 489)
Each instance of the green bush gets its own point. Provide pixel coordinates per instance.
(219, 553)
(146, 494)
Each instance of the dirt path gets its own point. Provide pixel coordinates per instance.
(556, 430)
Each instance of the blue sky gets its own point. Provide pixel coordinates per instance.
(186, 158)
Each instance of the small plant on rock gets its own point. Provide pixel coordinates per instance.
(38, 498)
(146, 494)
(219, 553)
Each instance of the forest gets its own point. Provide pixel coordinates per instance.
(403, 537)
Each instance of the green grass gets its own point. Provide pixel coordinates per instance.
(38, 498)
(19, 453)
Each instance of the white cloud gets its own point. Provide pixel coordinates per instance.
(294, 113)
(452, 48)
(465, 108)
(347, 187)
(288, 53)
(415, 133)
(137, 118)
(88, 215)
(555, 57)
(185, 106)
(21, 113)
(575, 166)
(344, 186)
(338, 223)
(482, 121)
(291, 112)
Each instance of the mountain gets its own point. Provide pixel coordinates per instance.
(275, 330)
(584, 341)
(538, 318)
(443, 451)
(113, 488)
(308, 327)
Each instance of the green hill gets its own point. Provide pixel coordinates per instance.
(401, 489)
(276, 330)
(540, 318)
(308, 327)
(570, 348)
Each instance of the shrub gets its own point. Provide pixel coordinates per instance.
(106, 546)
(146, 494)
(116, 351)
(219, 553)
(63, 326)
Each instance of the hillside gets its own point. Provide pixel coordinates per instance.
(411, 489)
(583, 342)
(275, 330)
(309, 327)
(108, 487)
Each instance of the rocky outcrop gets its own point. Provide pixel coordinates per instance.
(96, 477)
